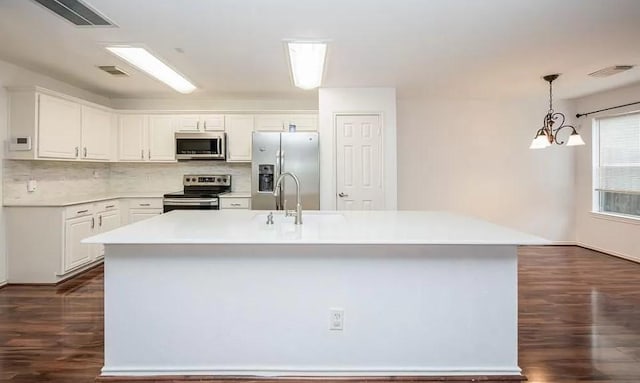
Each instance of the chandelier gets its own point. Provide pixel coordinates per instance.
(548, 135)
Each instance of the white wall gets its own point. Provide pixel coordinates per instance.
(334, 101)
(611, 236)
(14, 76)
(230, 105)
(3, 136)
(472, 157)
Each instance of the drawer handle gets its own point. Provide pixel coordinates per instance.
(235, 204)
(145, 204)
(82, 211)
(110, 206)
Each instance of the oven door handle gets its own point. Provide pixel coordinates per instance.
(190, 201)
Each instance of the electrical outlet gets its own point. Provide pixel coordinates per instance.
(336, 319)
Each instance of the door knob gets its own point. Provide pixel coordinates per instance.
(343, 195)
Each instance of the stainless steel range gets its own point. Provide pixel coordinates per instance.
(200, 192)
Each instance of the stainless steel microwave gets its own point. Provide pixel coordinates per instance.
(201, 146)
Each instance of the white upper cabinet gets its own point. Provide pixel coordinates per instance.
(212, 122)
(304, 122)
(239, 130)
(132, 134)
(162, 141)
(200, 122)
(60, 126)
(271, 122)
(147, 138)
(96, 133)
(281, 122)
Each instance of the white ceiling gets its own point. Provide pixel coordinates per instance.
(233, 48)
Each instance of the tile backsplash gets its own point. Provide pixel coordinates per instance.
(60, 179)
(132, 177)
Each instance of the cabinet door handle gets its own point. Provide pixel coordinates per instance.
(142, 154)
(77, 151)
(198, 125)
(99, 220)
(93, 222)
(205, 125)
(85, 151)
(109, 206)
(149, 153)
(145, 204)
(82, 211)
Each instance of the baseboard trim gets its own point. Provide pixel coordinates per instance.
(280, 379)
(609, 252)
(3, 284)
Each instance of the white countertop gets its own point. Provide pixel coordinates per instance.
(319, 227)
(77, 200)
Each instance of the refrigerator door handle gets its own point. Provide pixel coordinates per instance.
(276, 174)
(282, 169)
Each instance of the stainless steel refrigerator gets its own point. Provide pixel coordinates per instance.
(275, 153)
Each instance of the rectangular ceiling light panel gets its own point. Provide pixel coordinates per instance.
(145, 61)
(610, 71)
(306, 60)
(76, 12)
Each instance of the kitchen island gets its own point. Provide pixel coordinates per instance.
(344, 294)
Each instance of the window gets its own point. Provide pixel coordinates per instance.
(616, 162)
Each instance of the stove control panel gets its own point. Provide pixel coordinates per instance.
(207, 180)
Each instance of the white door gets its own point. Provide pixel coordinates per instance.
(212, 122)
(76, 253)
(359, 177)
(107, 220)
(189, 123)
(239, 129)
(96, 134)
(60, 123)
(131, 137)
(162, 140)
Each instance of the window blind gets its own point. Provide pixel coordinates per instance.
(617, 164)
(618, 167)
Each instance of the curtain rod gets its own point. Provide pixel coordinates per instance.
(602, 110)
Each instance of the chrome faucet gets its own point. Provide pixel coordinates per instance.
(298, 213)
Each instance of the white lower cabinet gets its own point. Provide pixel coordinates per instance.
(143, 208)
(75, 230)
(44, 243)
(107, 220)
(235, 203)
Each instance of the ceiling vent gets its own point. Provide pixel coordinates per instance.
(610, 71)
(113, 70)
(76, 12)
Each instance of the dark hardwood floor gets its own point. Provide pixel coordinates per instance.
(579, 321)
